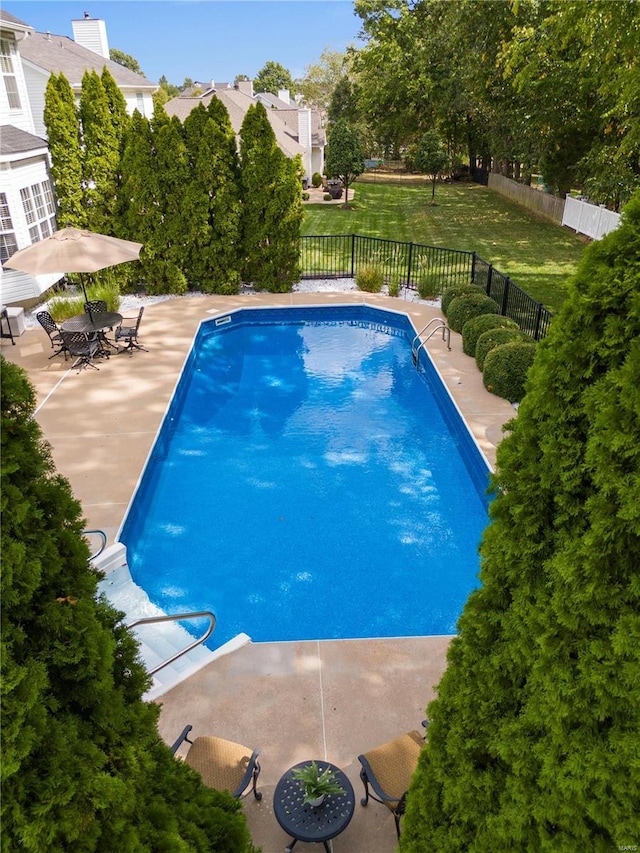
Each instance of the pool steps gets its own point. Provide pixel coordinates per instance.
(157, 642)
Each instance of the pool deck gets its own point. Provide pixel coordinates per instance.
(329, 699)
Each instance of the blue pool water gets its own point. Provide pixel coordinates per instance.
(310, 483)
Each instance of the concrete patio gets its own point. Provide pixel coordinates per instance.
(328, 699)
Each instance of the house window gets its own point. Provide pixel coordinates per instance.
(7, 50)
(8, 243)
(39, 210)
(140, 102)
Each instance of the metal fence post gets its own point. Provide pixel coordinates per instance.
(536, 334)
(489, 278)
(473, 267)
(353, 252)
(409, 264)
(505, 296)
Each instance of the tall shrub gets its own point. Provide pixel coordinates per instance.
(63, 132)
(534, 733)
(83, 767)
(271, 206)
(100, 154)
(212, 210)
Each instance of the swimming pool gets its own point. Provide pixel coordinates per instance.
(309, 483)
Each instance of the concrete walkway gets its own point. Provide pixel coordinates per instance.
(327, 699)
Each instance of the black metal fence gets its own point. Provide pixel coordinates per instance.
(427, 269)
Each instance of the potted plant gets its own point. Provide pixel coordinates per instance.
(316, 784)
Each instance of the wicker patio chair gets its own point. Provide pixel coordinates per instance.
(130, 333)
(388, 769)
(51, 328)
(223, 764)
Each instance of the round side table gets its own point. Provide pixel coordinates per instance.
(314, 824)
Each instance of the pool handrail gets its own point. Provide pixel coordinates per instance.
(177, 617)
(446, 331)
(101, 547)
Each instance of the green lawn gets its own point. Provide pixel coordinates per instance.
(537, 255)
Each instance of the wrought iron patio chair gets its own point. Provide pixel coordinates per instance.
(53, 331)
(82, 347)
(129, 333)
(388, 769)
(223, 764)
(97, 306)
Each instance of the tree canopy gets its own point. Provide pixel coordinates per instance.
(532, 743)
(272, 77)
(345, 159)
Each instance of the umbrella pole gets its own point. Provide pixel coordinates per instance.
(86, 299)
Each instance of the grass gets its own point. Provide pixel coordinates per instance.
(537, 255)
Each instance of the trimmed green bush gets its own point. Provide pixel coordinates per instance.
(473, 328)
(370, 278)
(305, 196)
(327, 197)
(468, 305)
(450, 293)
(316, 180)
(495, 338)
(506, 367)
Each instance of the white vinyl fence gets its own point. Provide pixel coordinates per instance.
(589, 219)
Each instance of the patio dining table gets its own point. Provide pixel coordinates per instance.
(93, 323)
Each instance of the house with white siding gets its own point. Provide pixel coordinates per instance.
(27, 59)
(27, 206)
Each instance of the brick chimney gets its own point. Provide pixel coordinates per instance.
(91, 33)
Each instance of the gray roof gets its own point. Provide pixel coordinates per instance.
(237, 104)
(11, 19)
(16, 141)
(57, 54)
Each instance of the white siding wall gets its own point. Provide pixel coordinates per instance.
(36, 82)
(16, 287)
(304, 139)
(20, 118)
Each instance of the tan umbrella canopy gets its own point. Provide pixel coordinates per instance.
(73, 250)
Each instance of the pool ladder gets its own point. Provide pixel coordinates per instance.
(418, 343)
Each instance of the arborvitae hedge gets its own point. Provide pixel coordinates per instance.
(506, 368)
(83, 767)
(533, 742)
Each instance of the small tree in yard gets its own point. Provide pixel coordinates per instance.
(83, 767)
(533, 741)
(430, 158)
(345, 159)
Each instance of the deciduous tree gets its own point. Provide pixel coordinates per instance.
(272, 77)
(345, 159)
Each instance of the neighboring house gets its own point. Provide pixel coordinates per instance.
(27, 206)
(298, 130)
(44, 54)
(27, 59)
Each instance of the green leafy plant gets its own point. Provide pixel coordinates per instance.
(469, 305)
(327, 197)
(450, 293)
(316, 783)
(370, 278)
(473, 328)
(394, 286)
(506, 368)
(493, 338)
(316, 180)
(305, 196)
(428, 286)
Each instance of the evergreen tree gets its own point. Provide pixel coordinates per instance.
(212, 209)
(345, 159)
(63, 132)
(269, 206)
(101, 154)
(533, 741)
(120, 118)
(83, 767)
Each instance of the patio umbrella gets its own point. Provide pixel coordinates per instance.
(73, 250)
